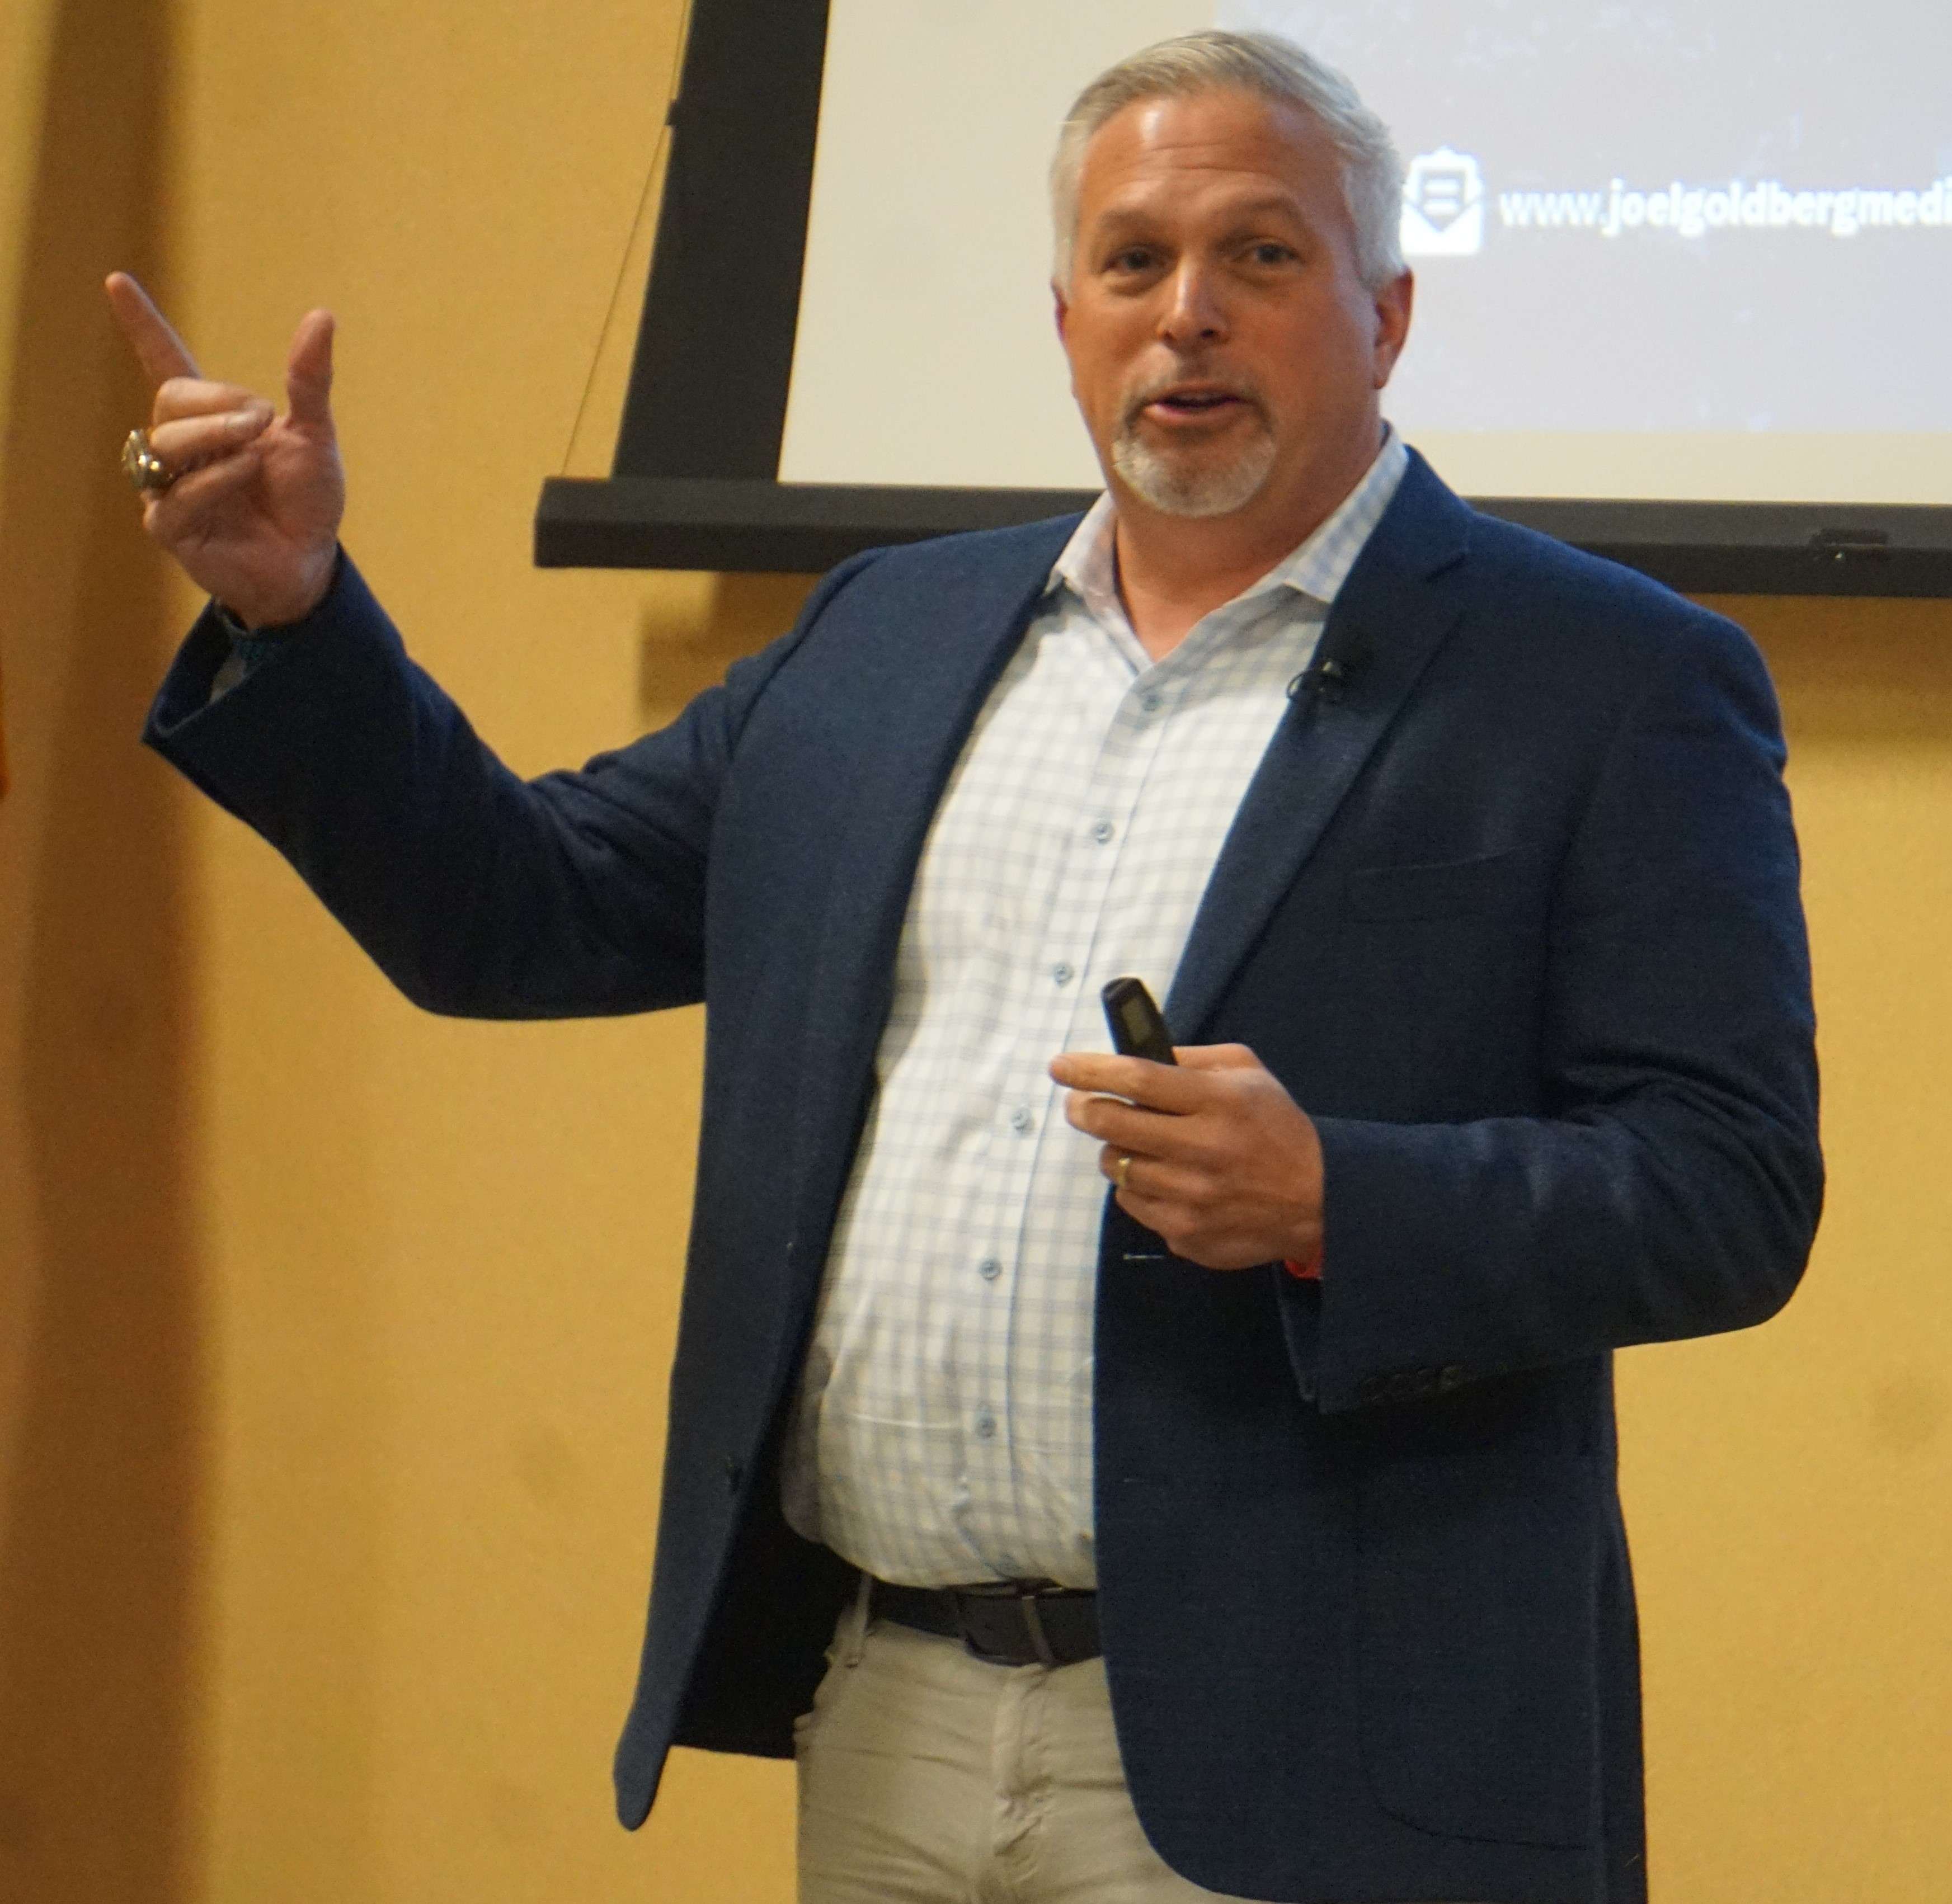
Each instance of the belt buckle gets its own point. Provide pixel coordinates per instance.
(1026, 1603)
(1022, 1594)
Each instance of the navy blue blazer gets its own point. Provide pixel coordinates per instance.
(1512, 912)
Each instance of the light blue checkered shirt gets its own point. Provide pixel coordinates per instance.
(943, 1430)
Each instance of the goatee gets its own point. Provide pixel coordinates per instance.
(1185, 482)
(1198, 478)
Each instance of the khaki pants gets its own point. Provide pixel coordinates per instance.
(928, 1777)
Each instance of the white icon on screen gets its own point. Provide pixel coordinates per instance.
(1443, 205)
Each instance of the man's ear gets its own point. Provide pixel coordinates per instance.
(1060, 309)
(1393, 303)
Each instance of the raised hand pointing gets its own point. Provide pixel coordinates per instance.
(253, 506)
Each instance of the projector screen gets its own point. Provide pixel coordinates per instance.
(1682, 279)
(1683, 252)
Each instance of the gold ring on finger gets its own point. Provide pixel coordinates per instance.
(1121, 1170)
(143, 466)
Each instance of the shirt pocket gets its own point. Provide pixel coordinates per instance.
(1438, 888)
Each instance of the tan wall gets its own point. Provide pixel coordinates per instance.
(333, 1337)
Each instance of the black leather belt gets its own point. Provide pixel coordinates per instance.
(1010, 1623)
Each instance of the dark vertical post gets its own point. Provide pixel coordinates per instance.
(708, 393)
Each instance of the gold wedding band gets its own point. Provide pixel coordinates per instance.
(143, 466)
(1121, 1170)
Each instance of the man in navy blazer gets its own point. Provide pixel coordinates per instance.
(1506, 928)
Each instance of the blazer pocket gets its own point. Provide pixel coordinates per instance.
(1437, 889)
(1477, 1586)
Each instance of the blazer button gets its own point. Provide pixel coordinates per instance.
(735, 1472)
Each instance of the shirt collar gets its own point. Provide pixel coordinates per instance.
(1317, 568)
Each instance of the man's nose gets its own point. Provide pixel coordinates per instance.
(1194, 314)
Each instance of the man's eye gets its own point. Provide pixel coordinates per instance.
(1134, 258)
(1270, 253)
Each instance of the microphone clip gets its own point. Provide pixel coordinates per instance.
(1324, 679)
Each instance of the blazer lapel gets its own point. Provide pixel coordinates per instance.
(1401, 601)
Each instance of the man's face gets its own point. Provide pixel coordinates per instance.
(1224, 351)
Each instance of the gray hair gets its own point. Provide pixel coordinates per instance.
(1276, 69)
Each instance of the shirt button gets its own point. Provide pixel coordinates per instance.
(1020, 1119)
(1061, 973)
(1151, 703)
(986, 1425)
(1102, 832)
(989, 1269)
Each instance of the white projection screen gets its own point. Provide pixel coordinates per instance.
(1700, 251)
(1691, 261)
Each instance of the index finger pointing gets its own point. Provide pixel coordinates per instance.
(162, 352)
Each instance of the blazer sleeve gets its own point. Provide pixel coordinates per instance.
(476, 892)
(1673, 1186)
